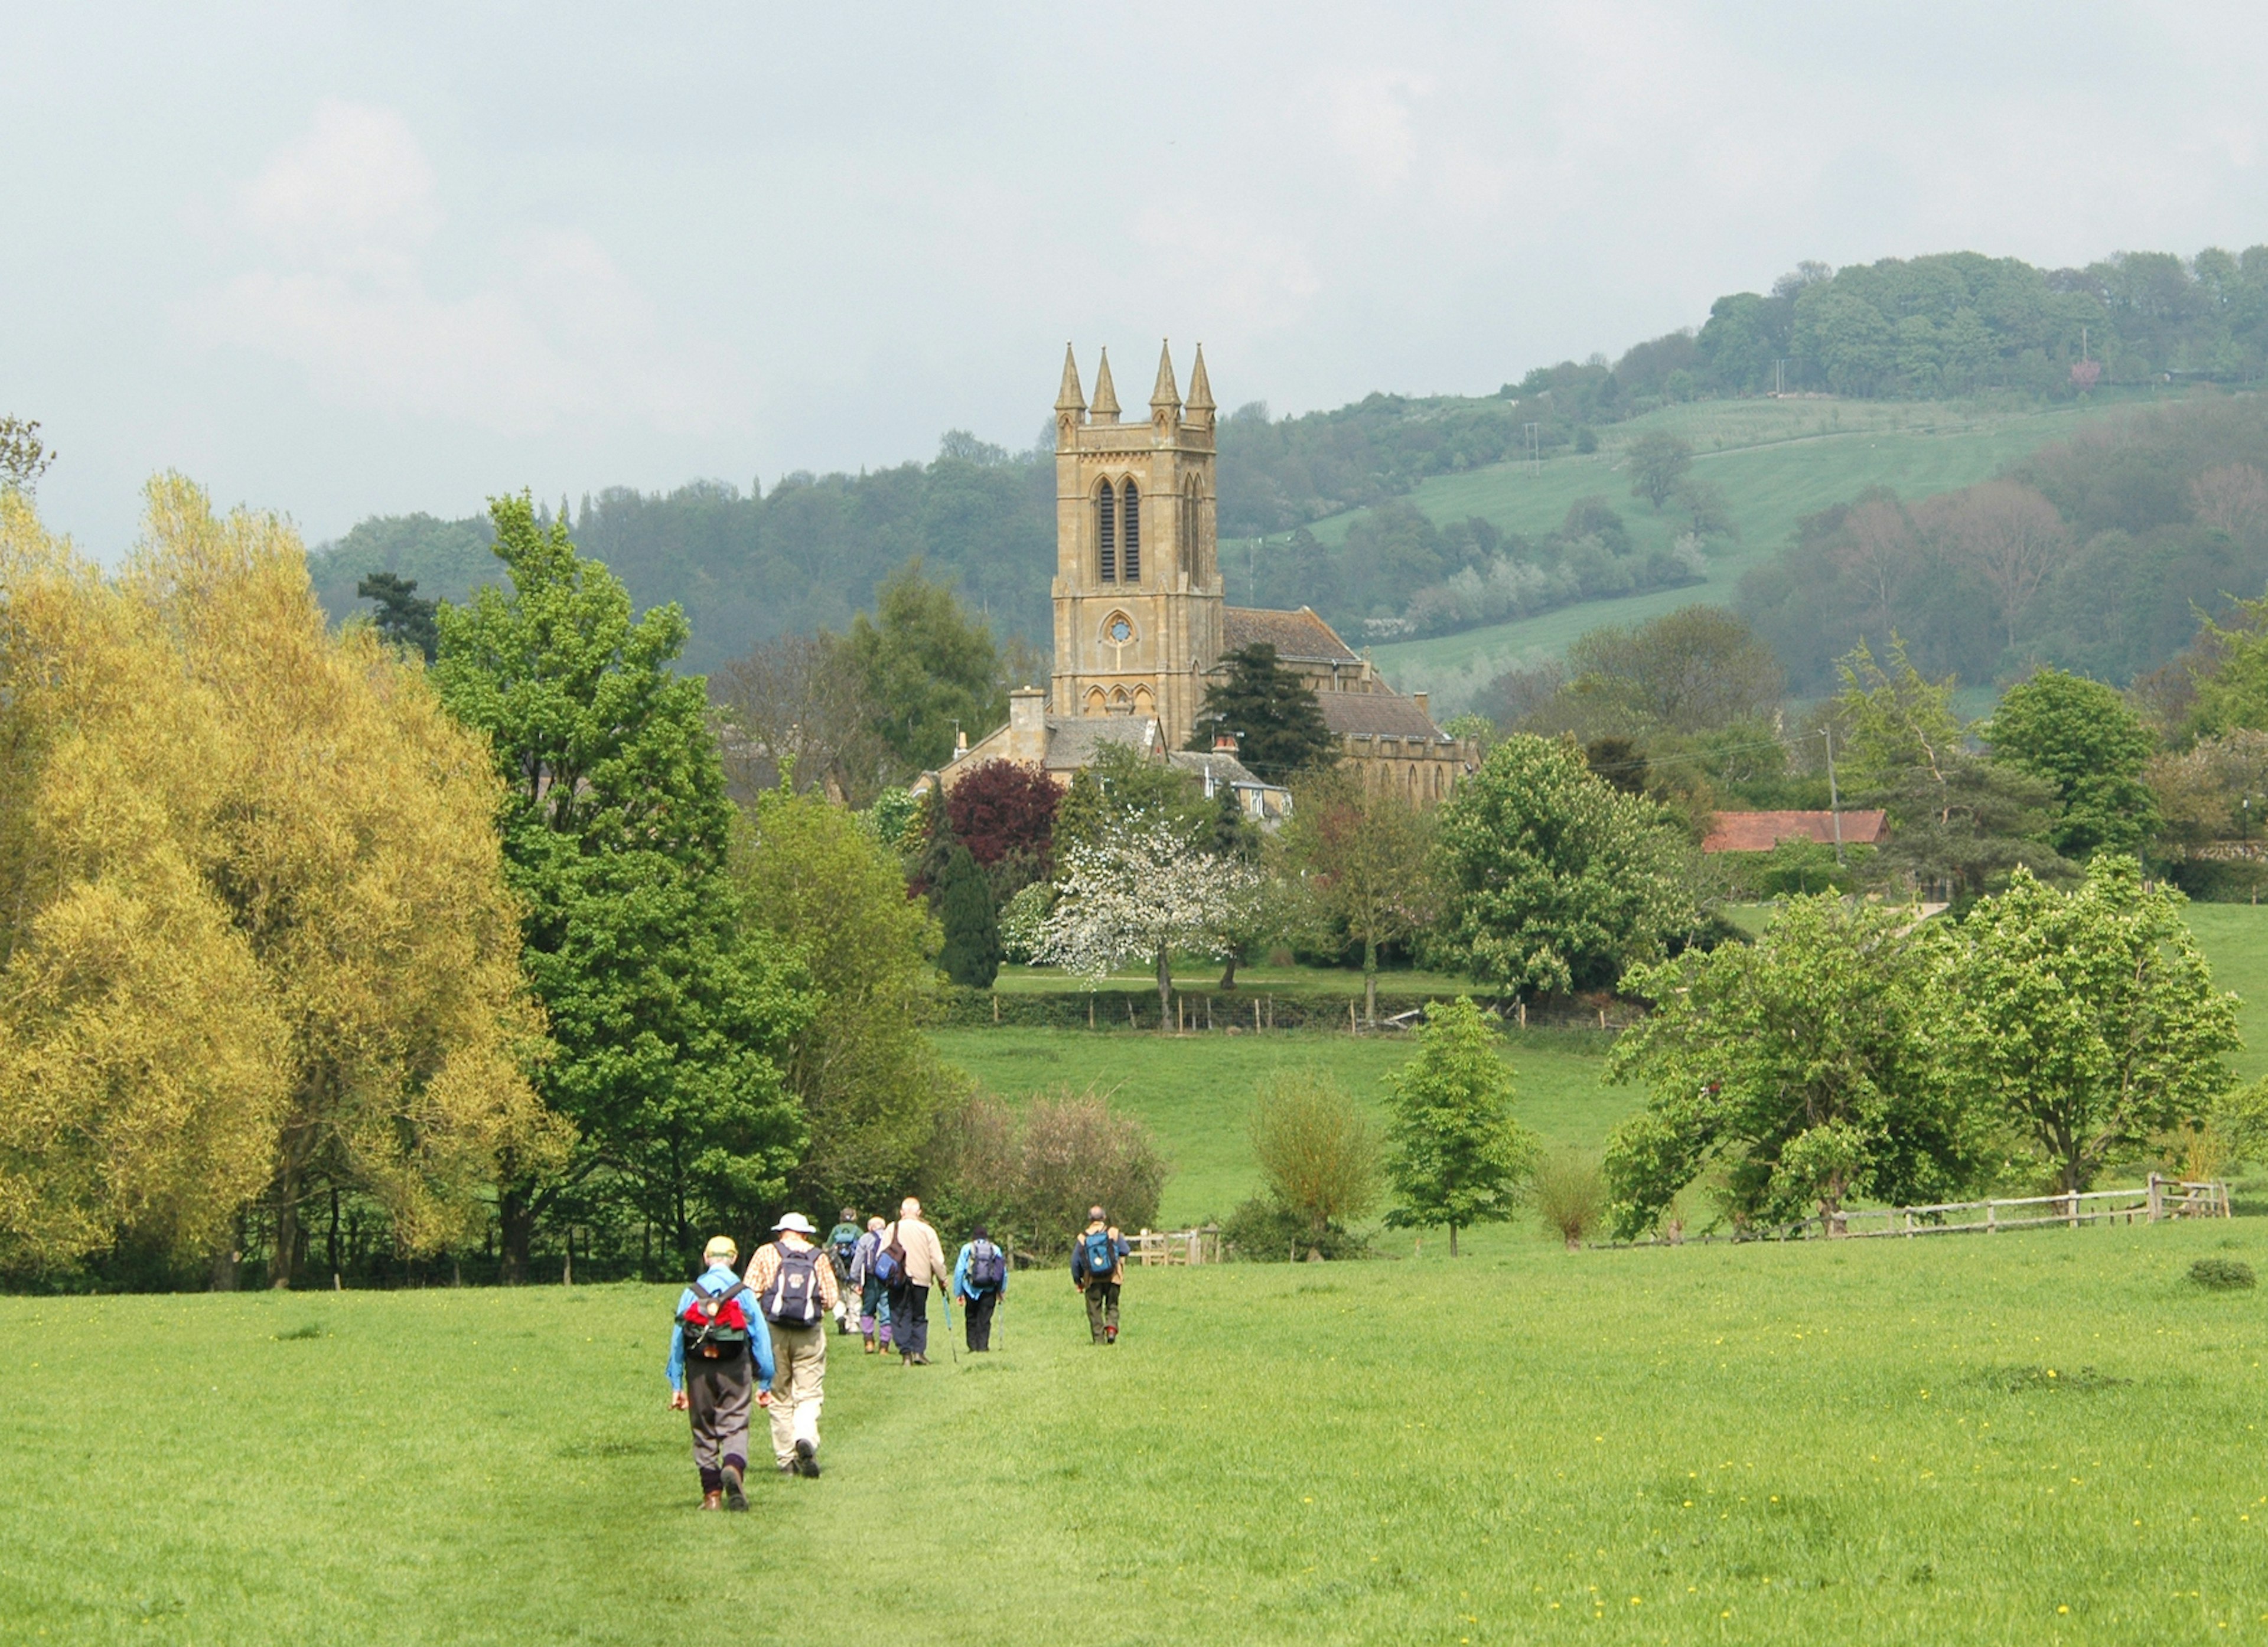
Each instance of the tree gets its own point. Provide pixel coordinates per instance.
(1031, 1174)
(402, 617)
(2088, 1019)
(1005, 811)
(802, 702)
(2082, 736)
(1891, 721)
(1694, 670)
(670, 1017)
(971, 957)
(1145, 888)
(1552, 879)
(1801, 1063)
(24, 457)
(1658, 462)
(1273, 713)
(257, 937)
(1359, 855)
(1315, 1149)
(1965, 825)
(1455, 1154)
(869, 1081)
(2010, 534)
(929, 668)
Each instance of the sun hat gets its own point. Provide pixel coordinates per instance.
(796, 1222)
(721, 1248)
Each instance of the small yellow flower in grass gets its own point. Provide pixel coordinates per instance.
(2063, 1609)
(1307, 1501)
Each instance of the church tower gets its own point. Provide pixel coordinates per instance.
(1137, 587)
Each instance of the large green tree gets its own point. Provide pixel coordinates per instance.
(1658, 462)
(1455, 1155)
(1552, 879)
(2087, 1018)
(869, 1082)
(670, 1018)
(1273, 713)
(930, 667)
(1801, 1064)
(2083, 737)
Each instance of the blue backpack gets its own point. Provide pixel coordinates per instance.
(1101, 1254)
(988, 1267)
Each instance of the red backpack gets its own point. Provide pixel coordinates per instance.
(715, 1326)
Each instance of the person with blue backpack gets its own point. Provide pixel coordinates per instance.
(1098, 1267)
(980, 1281)
(718, 1348)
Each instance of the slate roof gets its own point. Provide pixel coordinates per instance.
(1222, 769)
(1760, 832)
(1377, 714)
(1299, 636)
(1073, 740)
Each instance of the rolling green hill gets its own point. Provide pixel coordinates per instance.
(1774, 460)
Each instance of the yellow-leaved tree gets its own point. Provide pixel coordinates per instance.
(255, 940)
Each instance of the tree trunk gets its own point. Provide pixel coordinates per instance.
(287, 1226)
(1228, 972)
(1452, 1240)
(1370, 982)
(516, 1213)
(331, 1249)
(1164, 990)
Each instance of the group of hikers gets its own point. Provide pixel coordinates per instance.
(742, 1340)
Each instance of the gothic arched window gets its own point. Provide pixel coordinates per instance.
(1106, 521)
(1132, 534)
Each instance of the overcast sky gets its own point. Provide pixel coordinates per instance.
(346, 260)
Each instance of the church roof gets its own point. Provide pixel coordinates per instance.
(1296, 636)
(1376, 714)
(1074, 740)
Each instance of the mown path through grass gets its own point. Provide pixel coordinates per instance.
(1885, 1442)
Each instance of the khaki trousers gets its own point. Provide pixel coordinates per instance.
(798, 1373)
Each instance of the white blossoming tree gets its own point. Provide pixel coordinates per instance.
(1143, 888)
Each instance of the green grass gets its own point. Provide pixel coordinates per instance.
(1756, 1445)
(1775, 460)
(1195, 1091)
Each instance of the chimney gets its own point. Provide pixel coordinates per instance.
(1224, 742)
(960, 743)
(1423, 700)
(1027, 726)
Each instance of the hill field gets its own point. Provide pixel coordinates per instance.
(1775, 461)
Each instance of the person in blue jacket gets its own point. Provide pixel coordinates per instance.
(980, 1281)
(720, 1356)
(1098, 1269)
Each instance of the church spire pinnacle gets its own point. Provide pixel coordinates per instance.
(1071, 398)
(1200, 403)
(1104, 407)
(1166, 398)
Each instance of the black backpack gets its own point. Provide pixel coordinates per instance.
(792, 1300)
(988, 1267)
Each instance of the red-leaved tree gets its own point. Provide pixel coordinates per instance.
(1002, 809)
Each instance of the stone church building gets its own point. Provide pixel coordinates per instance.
(1141, 626)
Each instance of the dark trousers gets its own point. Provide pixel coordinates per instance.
(910, 1319)
(1102, 1307)
(978, 1313)
(720, 1395)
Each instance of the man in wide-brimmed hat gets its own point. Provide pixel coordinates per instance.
(794, 1286)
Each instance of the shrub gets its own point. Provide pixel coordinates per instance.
(1265, 1230)
(1031, 1176)
(1571, 1194)
(971, 956)
(2221, 1275)
(1316, 1149)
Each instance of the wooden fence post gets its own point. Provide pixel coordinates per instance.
(2156, 1197)
(995, 1006)
(1523, 1015)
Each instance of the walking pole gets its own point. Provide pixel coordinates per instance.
(944, 1302)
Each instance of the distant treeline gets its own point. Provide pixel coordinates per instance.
(806, 554)
(2096, 556)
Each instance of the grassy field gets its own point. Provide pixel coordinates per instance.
(1775, 460)
(2033, 1438)
(1191, 974)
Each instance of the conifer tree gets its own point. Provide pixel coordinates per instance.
(971, 957)
(1272, 711)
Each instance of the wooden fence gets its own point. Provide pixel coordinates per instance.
(2161, 1198)
(1176, 1247)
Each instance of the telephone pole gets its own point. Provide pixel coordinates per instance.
(1834, 801)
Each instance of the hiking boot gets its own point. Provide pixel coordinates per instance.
(1110, 1334)
(870, 1346)
(736, 1497)
(806, 1459)
(917, 1360)
(787, 1467)
(712, 1499)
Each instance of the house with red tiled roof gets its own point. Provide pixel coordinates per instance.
(1761, 832)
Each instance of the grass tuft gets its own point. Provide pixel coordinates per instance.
(306, 1329)
(2222, 1274)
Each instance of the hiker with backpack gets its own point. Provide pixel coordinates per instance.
(873, 1293)
(718, 1349)
(910, 1262)
(794, 1289)
(980, 1281)
(841, 1250)
(1098, 1266)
